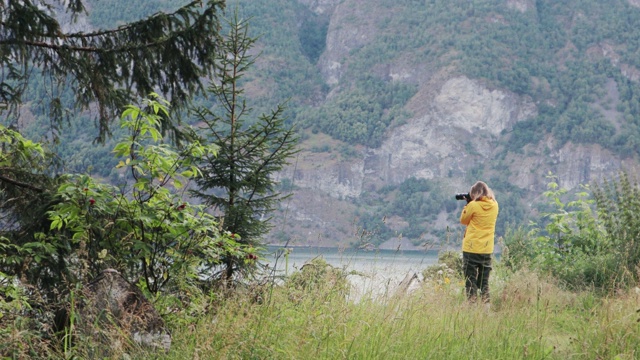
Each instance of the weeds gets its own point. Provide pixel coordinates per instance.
(532, 317)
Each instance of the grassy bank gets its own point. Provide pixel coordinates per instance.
(310, 316)
(529, 318)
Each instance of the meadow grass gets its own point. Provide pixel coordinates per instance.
(530, 317)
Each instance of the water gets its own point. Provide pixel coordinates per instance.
(392, 261)
(376, 272)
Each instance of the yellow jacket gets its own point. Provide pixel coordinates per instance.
(480, 217)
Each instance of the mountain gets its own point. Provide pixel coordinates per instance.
(403, 103)
(423, 97)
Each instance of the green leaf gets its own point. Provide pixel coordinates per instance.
(55, 224)
(132, 112)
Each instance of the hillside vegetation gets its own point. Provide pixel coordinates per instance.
(555, 53)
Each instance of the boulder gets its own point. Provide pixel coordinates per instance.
(110, 300)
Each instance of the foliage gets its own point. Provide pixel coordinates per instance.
(618, 204)
(312, 35)
(144, 228)
(452, 259)
(19, 338)
(26, 193)
(447, 270)
(362, 114)
(317, 276)
(518, 250)
(581, 248)
(167, 52)
(238, 182)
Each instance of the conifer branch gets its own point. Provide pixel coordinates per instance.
(20, 184)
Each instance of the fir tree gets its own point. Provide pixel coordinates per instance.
(239, 182)
(168, 53)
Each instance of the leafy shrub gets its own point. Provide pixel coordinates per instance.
(452, 259)
(449, 266)
(320, 278)
(618, 204)
(517, 249)
(582, 248)
(145, 230)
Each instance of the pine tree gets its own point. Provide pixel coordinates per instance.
(238, 183)
(167, 53)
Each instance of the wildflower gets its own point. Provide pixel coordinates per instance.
(92, 201)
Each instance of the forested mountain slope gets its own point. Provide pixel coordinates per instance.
(403, 103)
(424, 97)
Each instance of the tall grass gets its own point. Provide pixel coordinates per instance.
(530, 318)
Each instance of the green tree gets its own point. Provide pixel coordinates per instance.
(168, 53)
(238, 183)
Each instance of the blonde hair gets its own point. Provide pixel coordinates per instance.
(480, 189)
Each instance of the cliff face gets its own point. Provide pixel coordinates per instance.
(341, 40)
(449, 132)
(456, 124)
(321, 6)
(459, 126)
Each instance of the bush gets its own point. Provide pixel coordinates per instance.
(321, 278)
(618, 204)
(582, 248)
(449, 267)
(517, 250)
(145, 229)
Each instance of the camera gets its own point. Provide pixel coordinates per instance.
(465, 196)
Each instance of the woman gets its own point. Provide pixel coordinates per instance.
(479, 215)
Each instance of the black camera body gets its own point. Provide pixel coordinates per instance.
(465, 196)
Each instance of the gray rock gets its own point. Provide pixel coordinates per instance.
(111, 300)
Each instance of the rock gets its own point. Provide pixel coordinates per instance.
(111, 300)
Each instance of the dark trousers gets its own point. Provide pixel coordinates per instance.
(476, 269)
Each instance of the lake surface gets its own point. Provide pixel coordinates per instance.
(379, 271)
(352, 259)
